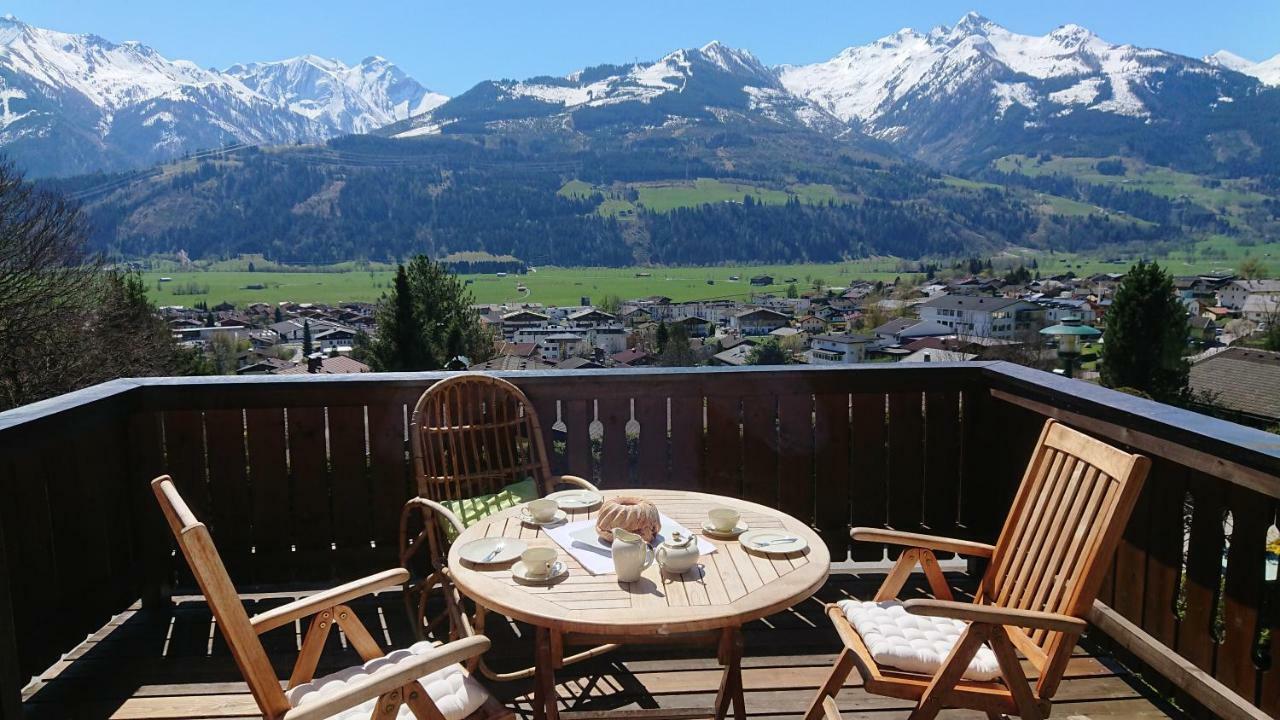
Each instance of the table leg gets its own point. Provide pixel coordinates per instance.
(731, 681)
(545, 700)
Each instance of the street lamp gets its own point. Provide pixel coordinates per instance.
(1069, 334)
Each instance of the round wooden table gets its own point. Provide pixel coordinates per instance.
(708, 604)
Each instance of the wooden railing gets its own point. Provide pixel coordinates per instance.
(301, 480)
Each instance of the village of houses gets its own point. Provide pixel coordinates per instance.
(960, 320)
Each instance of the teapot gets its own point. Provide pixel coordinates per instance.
(631, 555)
(678, 553)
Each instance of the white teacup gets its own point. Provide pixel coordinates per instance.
(542, 510)
(724, 519)
(539, 561)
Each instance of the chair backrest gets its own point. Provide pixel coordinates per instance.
(1061, 534)
(229, 613)
(473, 434)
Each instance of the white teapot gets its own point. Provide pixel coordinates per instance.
(678, 553)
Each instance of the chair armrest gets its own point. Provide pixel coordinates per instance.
(312, 604)
(378, 683)
(434, 507)
(573, 480)
(996, 615)
(917, 540)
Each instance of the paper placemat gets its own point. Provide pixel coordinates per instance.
(596, 557)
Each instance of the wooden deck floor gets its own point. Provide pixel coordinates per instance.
(143, 667)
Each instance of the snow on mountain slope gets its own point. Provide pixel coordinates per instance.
(355, 99)
(712, 82)
(869, 83)
(1268, 71)
(77, 103)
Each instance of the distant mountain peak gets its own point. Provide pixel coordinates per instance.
(74, 103)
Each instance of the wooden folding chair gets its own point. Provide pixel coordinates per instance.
(424, 682)
(1042, 578)
(472, 434)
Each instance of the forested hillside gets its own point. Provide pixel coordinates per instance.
(363, 197)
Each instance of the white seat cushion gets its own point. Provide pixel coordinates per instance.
(453, 690)
(915, 643)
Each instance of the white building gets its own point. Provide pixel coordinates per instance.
(838, 349)
(1261, 308)
(1003, 318)
(561, 346)
(1234, 294)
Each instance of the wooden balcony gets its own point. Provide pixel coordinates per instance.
(936, 448)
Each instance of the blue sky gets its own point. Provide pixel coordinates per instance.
(449, 46)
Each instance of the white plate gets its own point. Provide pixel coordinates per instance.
(576, 499)
(560, 517)
(774, 542)
(558, 571)
(709, 529)
(481, 552)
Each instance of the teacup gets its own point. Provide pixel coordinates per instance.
(538, 561)
(542, 510)
(724, 519)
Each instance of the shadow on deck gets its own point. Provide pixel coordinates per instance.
(141, 666)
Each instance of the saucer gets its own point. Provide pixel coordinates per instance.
(576, 499)
(481, 552)
(560, 516)
(519, 572)
(709, 529)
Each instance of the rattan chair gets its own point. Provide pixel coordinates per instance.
(472, 434)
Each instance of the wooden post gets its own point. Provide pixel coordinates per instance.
(10, 668)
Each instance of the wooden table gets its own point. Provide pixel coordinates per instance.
(706, 605)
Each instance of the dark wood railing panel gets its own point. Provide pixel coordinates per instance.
(795, 456)
(722, 472)
(760, 450)
(906, 462)
(870, 452)
(833, 441)
(652, 469)
(615, 462)
(268, 474)
(1243, 588)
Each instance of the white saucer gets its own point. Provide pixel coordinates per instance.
(749, 539)
(576, 499)
(560, 516)
(558, 571)
(737, 530)
(481, 552)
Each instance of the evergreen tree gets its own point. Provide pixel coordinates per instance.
(279, 314)
(662, 336)
(792, 291)
(1146, 336)
(678, 351)
(307, 347)
(769, 352)
(425, 322)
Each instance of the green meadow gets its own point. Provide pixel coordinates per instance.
(550, 285)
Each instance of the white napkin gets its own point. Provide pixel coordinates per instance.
(595, 556)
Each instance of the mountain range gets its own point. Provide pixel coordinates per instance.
(955, 97)
(78, 103)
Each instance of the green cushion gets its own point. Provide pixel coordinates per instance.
(474, 509)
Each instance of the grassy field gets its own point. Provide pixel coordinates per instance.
(550, 286)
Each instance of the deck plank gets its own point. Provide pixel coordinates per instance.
(137, 669)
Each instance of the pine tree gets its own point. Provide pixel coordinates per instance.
(662, 336)
(307, 345)
(426, 321)
(279, 314)
(1146, 336)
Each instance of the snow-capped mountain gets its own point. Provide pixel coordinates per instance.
(356, 99)
(711, 84)
(77, 103)
(976, 83)
(1268, 71)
